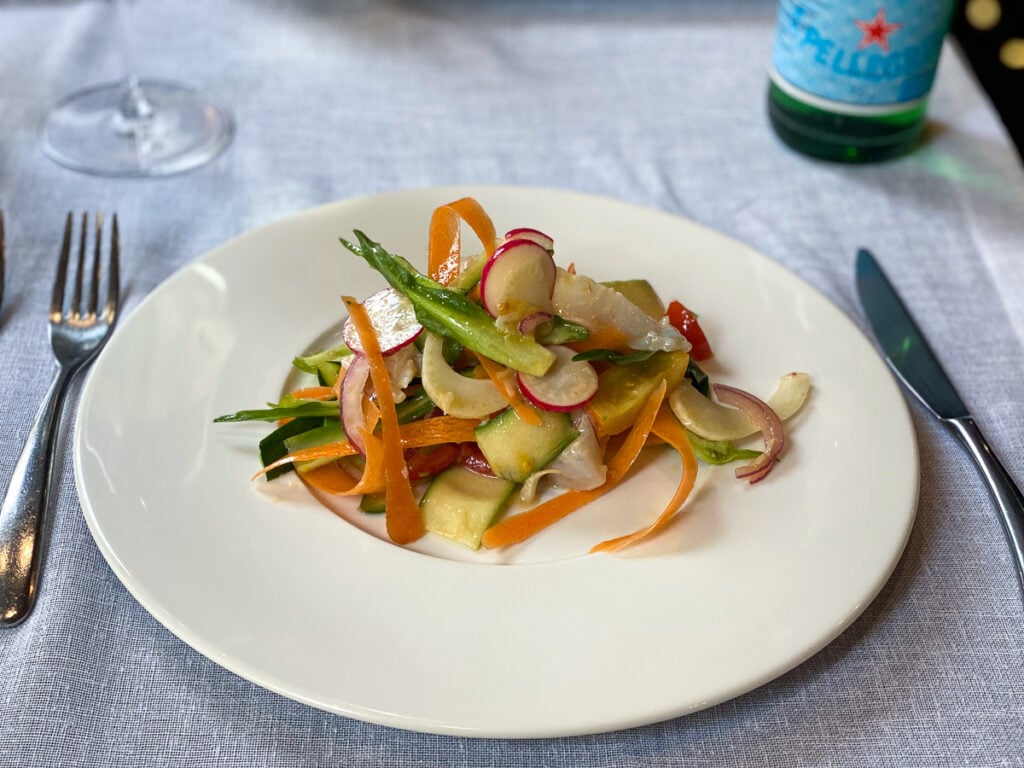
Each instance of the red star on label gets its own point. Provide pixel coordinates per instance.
(876, 31)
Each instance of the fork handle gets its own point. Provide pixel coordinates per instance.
(1005, 492)
(24, 509)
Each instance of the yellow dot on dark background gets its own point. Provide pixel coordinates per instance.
(983, 14)
(1012, 53)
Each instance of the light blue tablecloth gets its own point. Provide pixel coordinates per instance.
(655, 102)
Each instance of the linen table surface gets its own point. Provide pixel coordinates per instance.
(655, 102)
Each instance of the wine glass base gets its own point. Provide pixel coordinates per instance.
(182, 129)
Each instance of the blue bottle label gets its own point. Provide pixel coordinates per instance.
(858, 57)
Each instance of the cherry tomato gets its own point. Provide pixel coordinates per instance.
(474, 460)
(425, 462)
(686, 323)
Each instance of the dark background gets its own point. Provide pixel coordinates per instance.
(982, 46)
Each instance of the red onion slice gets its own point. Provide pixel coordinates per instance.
(532, 321)
(353, 387)
(766, 420)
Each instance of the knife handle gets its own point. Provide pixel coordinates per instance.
(1005, 492)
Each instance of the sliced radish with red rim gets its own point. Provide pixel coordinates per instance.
(519, 277)
(394, 322)
(528, 233)
(568, 384)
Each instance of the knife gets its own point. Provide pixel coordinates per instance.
(907, 352)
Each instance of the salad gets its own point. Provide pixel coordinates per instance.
(502, 379)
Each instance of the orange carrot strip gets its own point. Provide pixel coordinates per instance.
(329, 478)
(437, 430)
(602, 338)
(444, 251)
(374, 479)
(402, 517)
(338, 450)
(509, 391)
(313, 393)
(668, 428)
(513, 530)
(416, 434)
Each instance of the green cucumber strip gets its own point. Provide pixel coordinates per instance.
(330, 431)
(327, 373)
(414, 407)
(309, 363)
(272, 447)
(372, 503)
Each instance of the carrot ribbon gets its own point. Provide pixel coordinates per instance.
(402, 517)
(444, 254)
(513, 530)
(668, 428)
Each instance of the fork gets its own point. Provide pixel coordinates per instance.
(76, 335)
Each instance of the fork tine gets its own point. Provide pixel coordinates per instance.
(57, 302)
(114, 274)
(94, 285)
(76, 296)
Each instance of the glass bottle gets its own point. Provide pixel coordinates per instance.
(849, 79)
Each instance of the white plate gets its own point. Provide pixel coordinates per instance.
(749, 582)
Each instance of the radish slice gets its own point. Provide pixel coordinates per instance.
(712, 421)
(453, 393)
(518, 279)
(353, 387)
(568, 384)
(767, 421)
(526, 233)
(394, 322)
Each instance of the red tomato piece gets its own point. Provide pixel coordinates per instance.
(429, 461)
(686, 323)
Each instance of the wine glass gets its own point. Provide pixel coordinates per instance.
(136, 127)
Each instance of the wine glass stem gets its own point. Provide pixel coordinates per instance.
(135, 107)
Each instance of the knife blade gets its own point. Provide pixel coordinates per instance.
(915, 364)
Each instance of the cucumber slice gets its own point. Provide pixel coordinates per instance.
(327, 373)
(273, 446)
(330, 432)
(372, 503)
(515, 449)
(460, 505)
